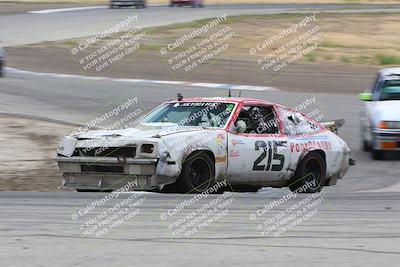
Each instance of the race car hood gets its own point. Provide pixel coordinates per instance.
(385, 110)
(144, 130)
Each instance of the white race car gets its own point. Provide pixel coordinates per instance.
(380, 118)
(188, 145)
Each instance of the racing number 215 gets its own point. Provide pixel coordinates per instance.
(270, 150)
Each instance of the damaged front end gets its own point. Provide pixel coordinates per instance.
(108, 163)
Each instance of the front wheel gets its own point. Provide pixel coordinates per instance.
(365, 146)
(310, 174)
(197, 174)
(378, 154)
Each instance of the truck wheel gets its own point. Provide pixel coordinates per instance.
(311, 169)
(365, 146)
(378, 154)
(197, 174)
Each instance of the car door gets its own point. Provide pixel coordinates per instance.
(260, 153)
(367, 112)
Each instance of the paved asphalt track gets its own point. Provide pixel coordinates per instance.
(26, 28)
(357, 223)
(355, 229)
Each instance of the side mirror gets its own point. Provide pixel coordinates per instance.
(365, 96)
(240, 126)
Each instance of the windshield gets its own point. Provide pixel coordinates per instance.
(204, 114)
(390, 90)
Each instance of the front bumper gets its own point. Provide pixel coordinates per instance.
(109, 173)
(386, 139)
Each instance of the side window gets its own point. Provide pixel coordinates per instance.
(259, 119)
(297, 124)
(374, 88)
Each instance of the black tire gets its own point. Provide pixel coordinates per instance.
(197, 175)
(365, 146)
(378, 154)
(1, 68)
(94, 190)
(311, 168)
(242, 189)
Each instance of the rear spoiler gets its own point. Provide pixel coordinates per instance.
(333, 125)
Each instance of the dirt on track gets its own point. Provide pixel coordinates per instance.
(318, 77)
(27, 149)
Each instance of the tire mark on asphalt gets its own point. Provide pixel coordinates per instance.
(187, 241)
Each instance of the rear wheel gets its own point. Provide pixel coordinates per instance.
(310, 174)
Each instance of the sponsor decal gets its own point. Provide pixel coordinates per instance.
(220, 138)
(196, 104)
(302, 146)
(220, 159)
(237, 142)
(234, 153)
